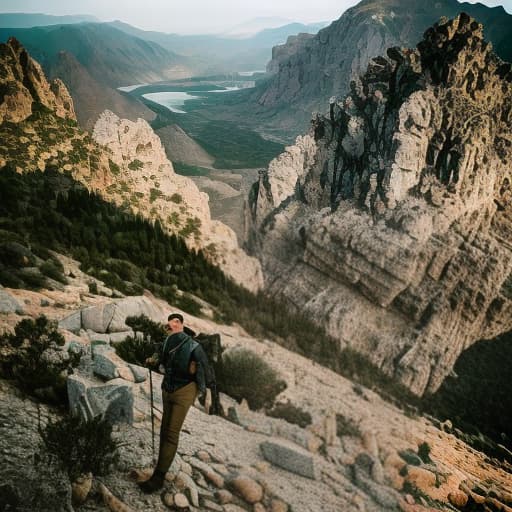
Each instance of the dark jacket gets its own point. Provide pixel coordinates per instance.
(175, 354)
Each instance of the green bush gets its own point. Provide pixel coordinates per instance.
(187, 303)
(244, 374)
(79, 446)
(346, 427)
(31, 356)
(135, 165)
(136, 349)
(50, 269)
(291, 414)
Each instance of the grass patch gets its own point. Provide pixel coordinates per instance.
(190, 170)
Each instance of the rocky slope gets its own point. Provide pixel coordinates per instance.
(390, 222)
(126, 163)
(91, 97)
(358, 453)
(323, 66)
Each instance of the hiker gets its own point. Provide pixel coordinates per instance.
(187, 375)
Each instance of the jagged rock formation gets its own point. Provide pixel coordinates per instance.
(24, 82)
(323, 66)
(391, 222)
(145, 179)
(38, 130)
(283, 51)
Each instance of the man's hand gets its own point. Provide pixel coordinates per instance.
(151, 362)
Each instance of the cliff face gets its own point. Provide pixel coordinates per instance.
(146, 181)
(324, 65)
(123, 161)
(391, 221)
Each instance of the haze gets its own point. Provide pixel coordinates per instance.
(195, 16)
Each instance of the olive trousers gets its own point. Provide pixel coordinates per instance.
(176, 406)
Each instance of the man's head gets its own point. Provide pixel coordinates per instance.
(175, 323)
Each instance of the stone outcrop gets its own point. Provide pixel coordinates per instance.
(395, 230)
(23, 82)
(147, 182)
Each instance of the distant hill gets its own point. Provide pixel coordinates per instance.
(27, 20)
(94, 59)
(213, 54)
(111, 56)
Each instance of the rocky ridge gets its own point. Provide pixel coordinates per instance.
(309, 73)
(124, 161)
(396, 209)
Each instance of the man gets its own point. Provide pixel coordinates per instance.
(187, 374)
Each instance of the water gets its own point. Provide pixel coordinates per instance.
(174, 100)
(130, 88)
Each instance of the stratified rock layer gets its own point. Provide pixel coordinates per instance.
(398, 237)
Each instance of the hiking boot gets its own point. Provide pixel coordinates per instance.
(154, 483)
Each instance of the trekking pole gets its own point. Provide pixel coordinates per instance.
(152, 415)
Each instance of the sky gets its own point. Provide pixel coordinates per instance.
(195, 16)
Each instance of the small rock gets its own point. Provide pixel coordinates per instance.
(211, 505)
(458, 499)
(203, 455)
(262, 466)
(233, 508)
(278, 506)
(186, 468)
(247, 488)
(168, 500)
(409, 499)
(180, 500)
(44, 303)
(421, 478)
(258, 507)
(224, 496)
(80, 489)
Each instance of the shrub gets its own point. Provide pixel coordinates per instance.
(136, 349)
(50, 269)
(114, 168)
(346, 427)
(424, 453)
(79, 446)
(244, 374)
(31, 356)
(291, 414)
(93, 287)
(135, 165)
(188, 304)
(176, 198)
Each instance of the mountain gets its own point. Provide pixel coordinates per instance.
(323, 66)
(252, 27)
(213, 54)
(93, 59)
(91, 97)
(27, 20)
(111, 56)
(390, 222)
(124, 161)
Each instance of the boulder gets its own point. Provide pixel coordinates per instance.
(8, 304)
(131, 306)
(88, 399)
(289, 456)
(72, 322)
(98, 318)
(247, 488)
(140, 374)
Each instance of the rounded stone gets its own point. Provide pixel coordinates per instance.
(458, 499)
(224, 496)
(181, 501)
(247, 488)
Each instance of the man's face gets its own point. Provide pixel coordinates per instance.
(174, 325)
